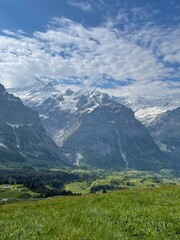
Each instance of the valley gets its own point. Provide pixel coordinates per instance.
(20, 185)
(89, 120)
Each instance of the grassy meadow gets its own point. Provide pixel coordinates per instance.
(130, 179)
(152, 214)
(16, 192)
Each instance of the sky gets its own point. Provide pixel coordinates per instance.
(123, 47)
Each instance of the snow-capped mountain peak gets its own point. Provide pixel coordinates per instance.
(35, 94)
(81, 101)
(91, 126)
(146, 110)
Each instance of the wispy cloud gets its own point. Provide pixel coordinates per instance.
(8, 32)
(19, 33)
(83, 5)
(122, 57)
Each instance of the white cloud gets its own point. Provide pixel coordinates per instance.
(68, 49)
(8, 32)
(83, 5)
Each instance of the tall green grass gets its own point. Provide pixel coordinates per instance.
(152, 214)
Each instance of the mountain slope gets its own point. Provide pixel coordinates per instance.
(146, 110)
(22, 137)
(98, 131)
(166, 132)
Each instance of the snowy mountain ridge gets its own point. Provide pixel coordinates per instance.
(147, 110)
(35, 94)
(93, 128)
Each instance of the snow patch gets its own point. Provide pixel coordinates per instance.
(43, 116)
(147, 115)
(113, 122)
(2, 145)
(23, 154)
(79, 157)
(164, 148)
(14, 126)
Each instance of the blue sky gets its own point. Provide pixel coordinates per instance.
(123, 47)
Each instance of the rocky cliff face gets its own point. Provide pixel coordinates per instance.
(22, 137)
(98, 131)
(166, 132)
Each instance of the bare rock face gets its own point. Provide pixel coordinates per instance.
(23, 139)
(166, 132)
(98, 131)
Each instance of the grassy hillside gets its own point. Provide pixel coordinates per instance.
(126, 214)
(16, 192)
(123, 180)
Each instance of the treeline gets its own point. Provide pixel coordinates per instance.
(45, 191)
(45, 177)
(115, 184)
(45, 182)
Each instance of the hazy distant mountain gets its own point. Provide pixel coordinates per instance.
(146, 110)
(166, 132)
(22, 137)
(35, 94)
